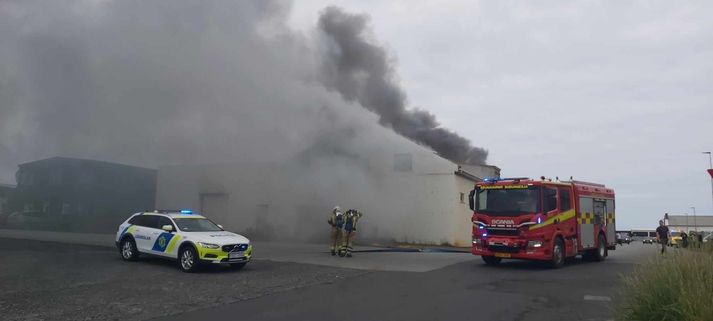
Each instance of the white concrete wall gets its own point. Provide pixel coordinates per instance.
(420, 206)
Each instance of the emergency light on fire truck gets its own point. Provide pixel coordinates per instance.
(496, 179)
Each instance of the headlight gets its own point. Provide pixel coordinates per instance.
(476, 241)
(208, 245)
(534, 244)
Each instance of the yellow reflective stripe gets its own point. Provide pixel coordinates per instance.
(172, 244)
(131, 229)
(561, 217)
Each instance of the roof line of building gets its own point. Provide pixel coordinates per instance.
(84, 160)
(467, 175)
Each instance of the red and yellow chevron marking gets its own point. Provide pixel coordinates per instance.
(586, 218)
(610, 218)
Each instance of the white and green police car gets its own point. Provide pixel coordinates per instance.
(189, 238)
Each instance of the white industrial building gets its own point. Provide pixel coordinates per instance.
(411, 195)
(688, 223)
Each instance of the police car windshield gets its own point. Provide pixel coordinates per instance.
(196, 225)
(507, 200)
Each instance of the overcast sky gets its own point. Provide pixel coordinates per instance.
(613, 92)
(616, 92)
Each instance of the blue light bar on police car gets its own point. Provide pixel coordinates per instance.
(186, 212)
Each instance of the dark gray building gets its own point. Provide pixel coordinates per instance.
(79, 194)
(6, 191)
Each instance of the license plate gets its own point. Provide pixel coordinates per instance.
(502, 254)
(235, 255)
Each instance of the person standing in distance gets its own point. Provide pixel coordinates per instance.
(663, 235)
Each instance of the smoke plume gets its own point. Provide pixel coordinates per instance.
(361, 71)
(225, 83)
(181, 81)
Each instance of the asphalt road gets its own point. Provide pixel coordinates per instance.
(50, 281)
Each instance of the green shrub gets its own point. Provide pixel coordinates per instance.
(676, 287)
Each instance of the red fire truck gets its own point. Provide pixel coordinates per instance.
(545, 220)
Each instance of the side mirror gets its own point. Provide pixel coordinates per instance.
(471, 201)
(167, 228)
(221, 226)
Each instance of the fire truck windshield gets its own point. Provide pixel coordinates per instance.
(507, 201)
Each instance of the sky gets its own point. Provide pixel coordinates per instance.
(610, 92)
(615, 92)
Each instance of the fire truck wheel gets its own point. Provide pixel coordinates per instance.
(557, 254)
(491, 260)
(601, 252)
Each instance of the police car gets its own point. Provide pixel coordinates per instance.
(189, 238)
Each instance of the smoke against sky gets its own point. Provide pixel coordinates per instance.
(171, 82)
(616, 92)
(361, 70)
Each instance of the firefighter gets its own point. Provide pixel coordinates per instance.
(336, 221)
(351, 217)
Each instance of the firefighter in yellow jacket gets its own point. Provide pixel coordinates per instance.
(351, 217)
(336, 220)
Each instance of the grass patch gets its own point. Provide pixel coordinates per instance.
(677, 286)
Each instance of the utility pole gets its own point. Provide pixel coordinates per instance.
(710, 171)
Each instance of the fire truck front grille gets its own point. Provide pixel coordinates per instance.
(507, 232)
(503, 248)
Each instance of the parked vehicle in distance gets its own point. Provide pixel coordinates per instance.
(675, 239)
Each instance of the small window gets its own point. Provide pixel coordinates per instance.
(162, 220)
(135, 220)
(145, 220)
(462, 198)
(565, 201)
(550, 199)
(151, 221)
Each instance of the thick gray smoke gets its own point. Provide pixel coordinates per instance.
(360, 70)
(224, 83)
(187, 82)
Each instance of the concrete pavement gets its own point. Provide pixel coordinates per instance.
(516, 290)
(285, 252)
(59, 281)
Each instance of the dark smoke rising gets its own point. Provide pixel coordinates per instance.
(225, 83)
(180, 81)
(360, 70)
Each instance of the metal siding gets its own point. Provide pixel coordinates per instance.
(586, 229)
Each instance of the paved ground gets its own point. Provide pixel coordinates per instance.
(52, 281)
(465, 291)
(55, 281)
(370, 259)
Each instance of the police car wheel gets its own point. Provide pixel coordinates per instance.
(128, 250)
(238, 266)
(188, 259)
